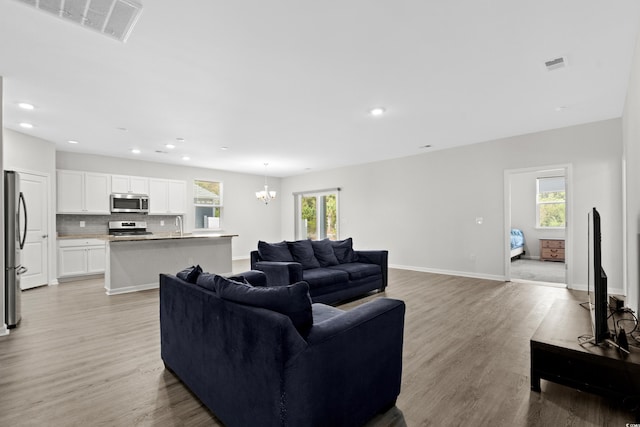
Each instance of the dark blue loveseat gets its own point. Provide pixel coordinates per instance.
(334, 270)
(257, 366)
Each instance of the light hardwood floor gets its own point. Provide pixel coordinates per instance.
(82, 358)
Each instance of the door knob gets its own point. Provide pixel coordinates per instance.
(44, 236)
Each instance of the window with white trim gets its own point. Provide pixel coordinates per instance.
(317, 214)
(207, 202)
(551, 202)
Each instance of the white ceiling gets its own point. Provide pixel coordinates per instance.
(290, 82)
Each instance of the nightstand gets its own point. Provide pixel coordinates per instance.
(552, 250)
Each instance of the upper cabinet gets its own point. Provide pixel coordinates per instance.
(83, 192)
(123, 184)
(88, 192)
(167, 196)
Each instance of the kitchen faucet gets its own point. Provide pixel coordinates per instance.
(179, 224)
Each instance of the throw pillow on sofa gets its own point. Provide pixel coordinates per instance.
(344, 251)
(190, 274)
(291, 300)
(274, 251)
(324, 252)
(207, 281)
(302, 252)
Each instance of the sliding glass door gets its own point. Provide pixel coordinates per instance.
(317, 215)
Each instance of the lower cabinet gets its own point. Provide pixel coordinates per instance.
(79, 257)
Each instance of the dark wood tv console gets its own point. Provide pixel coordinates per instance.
(557, 356)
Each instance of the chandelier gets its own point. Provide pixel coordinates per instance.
(265, 195)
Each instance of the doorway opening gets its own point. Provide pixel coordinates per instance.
(538, 225)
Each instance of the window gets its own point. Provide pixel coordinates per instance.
(317, 214)
(551, 202)
(207, 200)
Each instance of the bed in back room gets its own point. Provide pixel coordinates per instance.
(517, 243)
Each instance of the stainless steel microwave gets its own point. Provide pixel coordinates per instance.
(129, 203)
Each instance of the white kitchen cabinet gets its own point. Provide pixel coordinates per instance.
(167, 196)
(80, 257)
(83, 192)
(124, 184)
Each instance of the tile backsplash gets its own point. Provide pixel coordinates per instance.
(99, 224)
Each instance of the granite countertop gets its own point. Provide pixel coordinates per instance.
(157, 236)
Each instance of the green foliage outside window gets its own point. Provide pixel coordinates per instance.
(310, 216)
(551, 209)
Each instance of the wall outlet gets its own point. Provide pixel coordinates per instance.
(82, 224)
(161, 223)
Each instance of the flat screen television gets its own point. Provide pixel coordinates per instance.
(598, 297)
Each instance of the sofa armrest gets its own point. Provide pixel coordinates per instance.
(377, 257)
(280, 273)
(359, 353)
(387, 310)
(254, 257)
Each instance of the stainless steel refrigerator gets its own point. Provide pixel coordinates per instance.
(15, 234)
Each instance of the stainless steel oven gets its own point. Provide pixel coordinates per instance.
(129, 203)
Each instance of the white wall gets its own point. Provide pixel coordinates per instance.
(523, 211)
(243, 214)
(423, 208)
(3, 325)
(24, 153)
(631, 135)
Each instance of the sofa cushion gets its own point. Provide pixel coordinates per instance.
(302, 252)
(319, 277)
(190, 274)
(291, 300)
(274, 251)
(344, 250)
(322, 312)
(358, 270)
(324, 252)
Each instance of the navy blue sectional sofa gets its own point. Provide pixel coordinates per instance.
(265, 356)
(334, 270)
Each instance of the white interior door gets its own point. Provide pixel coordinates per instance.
(35, 254)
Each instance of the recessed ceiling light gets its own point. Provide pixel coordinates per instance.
(26, 125)
(123, 129)
(224, 148)
(180, 139)
(136, 151)
(425, 146)
(376, 112)
(71, 141)
(185, 158)
(170, 146)
(26, 106)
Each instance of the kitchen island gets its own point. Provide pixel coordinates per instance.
(134, 263)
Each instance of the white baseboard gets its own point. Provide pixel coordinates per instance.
(240, 258)
(450, 272)
(54, 283)
(130, 289)
(4, 330)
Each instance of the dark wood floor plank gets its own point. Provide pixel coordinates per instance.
(80, 358)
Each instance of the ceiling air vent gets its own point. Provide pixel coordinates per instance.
(555, 64)
(114, 18)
